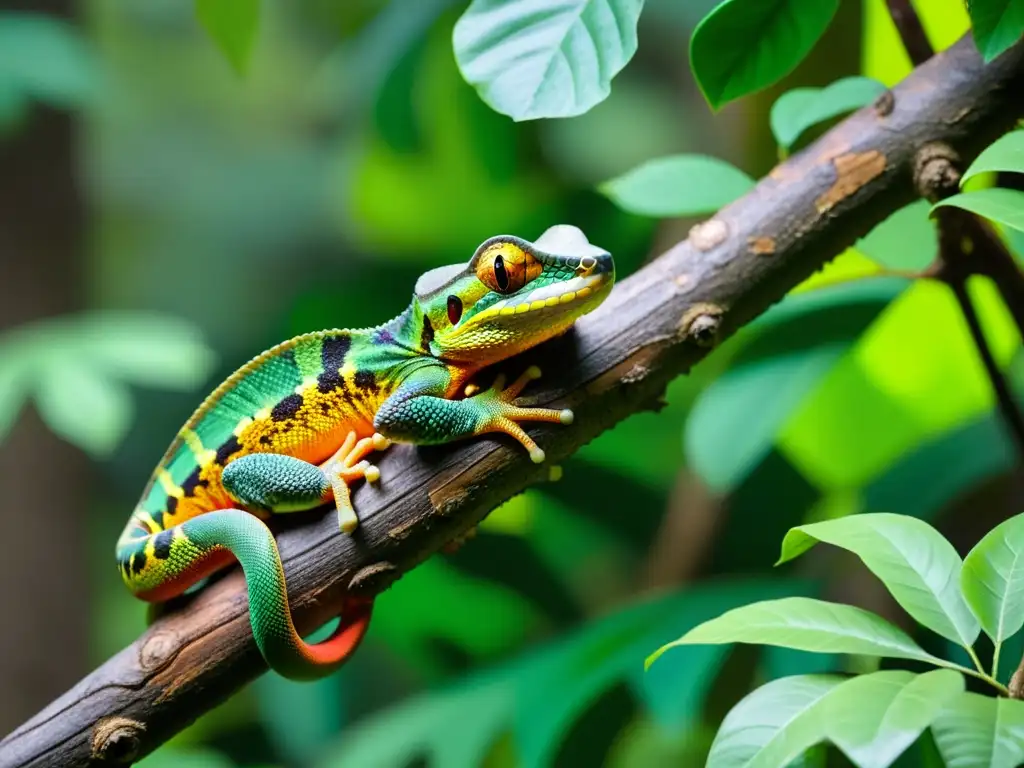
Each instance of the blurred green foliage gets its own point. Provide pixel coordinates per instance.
(254, 170)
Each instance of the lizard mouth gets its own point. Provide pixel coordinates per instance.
(549, 297)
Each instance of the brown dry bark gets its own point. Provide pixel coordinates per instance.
(655, 325)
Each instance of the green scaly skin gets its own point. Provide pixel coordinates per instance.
(291, 429)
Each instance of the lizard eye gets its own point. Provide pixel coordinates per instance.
(500, 273)
(454, 309)
(507, 268)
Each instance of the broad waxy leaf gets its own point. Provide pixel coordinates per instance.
(976, 731)
(794, 345)
(45, 58)
(915, 562)
(993, 579)
(1005, 154)
(84, 407)
(678, 185)
(997, 24)
(1005, 206)
(806, 625)
(743, 46)
(874, 718)
(908, 239)
(530, 59)
(773, 725)
(232, 24)
(797, 110)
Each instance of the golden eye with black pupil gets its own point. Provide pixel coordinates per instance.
(500, 273)
(454, 309)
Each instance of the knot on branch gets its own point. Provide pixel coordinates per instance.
(701, 324)
(373, 579)
(936, 171)
(117, 740)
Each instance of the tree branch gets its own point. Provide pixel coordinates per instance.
(653, 327)
(912, 33)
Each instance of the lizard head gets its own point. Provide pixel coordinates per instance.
(513, 294)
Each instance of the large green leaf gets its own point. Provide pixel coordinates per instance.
(1005, 154)
(976, 731)
(1005, 206)
(997, 24)
(232, 24)
(540, 694)
(874, 718)
(807, 625)
(775, 724)
(915, 562)
(908, 239)
(678, 185)
(44, 57)
(533, 58)
(797, 110)
(745, 45)
(732, 425)
(84, 407)
(142, 348)
(993, 579)
(788, 351)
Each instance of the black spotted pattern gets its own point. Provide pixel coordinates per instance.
(427, 335)
(365, 380)
(227, 449)
(287, 408)
(162, 545)
(192, 482)
(139, 561)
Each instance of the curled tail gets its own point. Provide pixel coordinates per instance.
(162, 565)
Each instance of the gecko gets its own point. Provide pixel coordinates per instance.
(293, 428)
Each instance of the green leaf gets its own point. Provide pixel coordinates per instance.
(678, 185)
(743, 46)
(154, 350)
(530, 59)
(45, 58)
(976, 730)
(84, 407)
(732, 426)
(997, 25)
(797, 110)
(908, 239)
(1005, 154)
(806, 625)
(874, 718)
(232, 24)
(993, 579)
(775, 724)
(1005, 206)
(918, 566)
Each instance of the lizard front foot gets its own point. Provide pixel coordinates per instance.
(500, 414)
(348, 465)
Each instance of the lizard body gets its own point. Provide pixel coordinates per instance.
(291, 429)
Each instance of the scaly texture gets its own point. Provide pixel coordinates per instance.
(290, 430)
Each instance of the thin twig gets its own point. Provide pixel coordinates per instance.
(1008, 405)
(912, 33)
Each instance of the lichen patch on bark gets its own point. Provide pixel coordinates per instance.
(853, 171)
